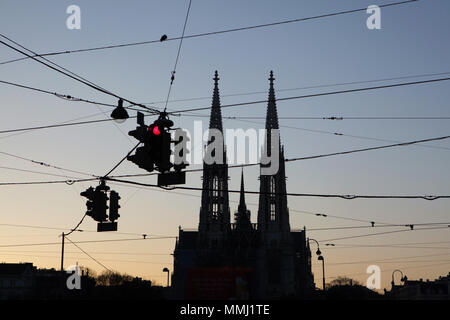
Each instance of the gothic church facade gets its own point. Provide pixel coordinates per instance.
(241, 259)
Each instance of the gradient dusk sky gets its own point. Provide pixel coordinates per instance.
(413, 40)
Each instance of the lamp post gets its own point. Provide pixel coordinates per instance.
(403, 278)
(323, 271)
(168, 272)
(320, 258)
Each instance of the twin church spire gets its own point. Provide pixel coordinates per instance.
(214, 211)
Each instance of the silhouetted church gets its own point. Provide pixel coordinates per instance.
(242, 260)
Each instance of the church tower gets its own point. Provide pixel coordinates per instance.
(273, 213)
(275, 253)
(214, 226)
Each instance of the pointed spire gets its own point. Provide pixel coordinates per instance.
(242, 216)
(242, 206)
(272, 114)
(215, 121)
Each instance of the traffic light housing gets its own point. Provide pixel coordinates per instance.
(159, 144)
(100, 205)
(90, 195)
(142, 158)
(114, 206)
(156, 151)
(97, 206)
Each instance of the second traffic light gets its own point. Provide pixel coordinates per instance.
(97, 206)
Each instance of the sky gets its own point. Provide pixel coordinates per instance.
(413, 40)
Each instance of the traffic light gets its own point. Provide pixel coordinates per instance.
(90, 195)
(160, 141)
(142, 156)
(114, 206)
(100, 206)
(156, 151)
(97, 206)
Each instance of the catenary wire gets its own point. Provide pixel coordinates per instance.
(98, 262)
(178, 55)
(76, 77)
(212, 32)
(318, 94)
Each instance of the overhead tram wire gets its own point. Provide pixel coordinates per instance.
(174, 237)
(76, 227)
(368, 149)
(317, 214)
(372, 222)
(64, 125)
(346, 135)
(41, 163)
(69, 182)
(338, 246)
(257, 164)
(72, 98)
(98, 262)
(51, 62)
(71, 74)
(37, 172)
(77, 257)
(382, 233)
(318, 94)
(339, 134)
(178, 55)
(59, 123)
(306, 87)
(67, 124)
(390, 270)
(407, 225)
(98, 252)
(179, 112)
(398, 258)
(122, 160)
(86, 241)
(336, 118)
(395, 244)
(342, 196)
(309, 157)
(348, 197)
(80, 230)
(62, 96)
(282, 22)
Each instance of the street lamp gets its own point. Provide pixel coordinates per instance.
(119, 114)
(168, 272)
(320, 258)
(402, 279)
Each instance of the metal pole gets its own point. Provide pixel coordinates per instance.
(62, 253)
(323, 273)
(168, 278)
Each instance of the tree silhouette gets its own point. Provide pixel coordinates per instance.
(344, 288)
(112, 278)
(343, 281)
